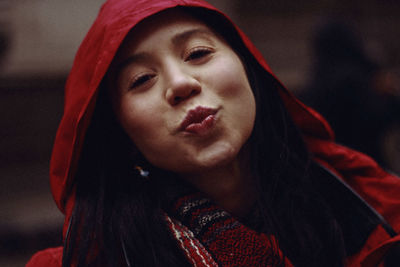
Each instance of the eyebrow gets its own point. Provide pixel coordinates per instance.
(177, 39)
(184, 36)
(130, 59)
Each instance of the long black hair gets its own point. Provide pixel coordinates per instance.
(118, 215)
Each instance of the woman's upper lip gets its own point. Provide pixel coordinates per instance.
(196, 115)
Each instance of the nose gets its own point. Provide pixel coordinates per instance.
(181, 86)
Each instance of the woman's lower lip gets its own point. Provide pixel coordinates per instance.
(201, 127)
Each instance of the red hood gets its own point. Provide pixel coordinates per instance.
(94, 56)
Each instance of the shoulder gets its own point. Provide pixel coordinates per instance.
(377, 187)
(51, 257)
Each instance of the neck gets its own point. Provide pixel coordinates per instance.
(230, 186)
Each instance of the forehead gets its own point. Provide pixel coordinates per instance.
(164, 24)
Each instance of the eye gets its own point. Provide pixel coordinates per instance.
(140, 80)
(198, 53)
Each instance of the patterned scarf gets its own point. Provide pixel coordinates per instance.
(210, 236)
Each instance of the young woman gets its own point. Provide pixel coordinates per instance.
(178, 147)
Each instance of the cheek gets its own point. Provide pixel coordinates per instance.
(128, 115)
(137, 119)
(238, 97)
(229, 77)
(232, 86)
(141, 120)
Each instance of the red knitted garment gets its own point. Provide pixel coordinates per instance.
(229, 242)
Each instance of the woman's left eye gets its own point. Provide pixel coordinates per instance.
(197, 53)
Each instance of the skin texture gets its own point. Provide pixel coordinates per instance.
(171, 64)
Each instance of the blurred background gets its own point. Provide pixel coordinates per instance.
(341, 57)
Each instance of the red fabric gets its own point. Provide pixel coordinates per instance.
(114, 21)
(379, 188)
(244, 247)
(50, 257)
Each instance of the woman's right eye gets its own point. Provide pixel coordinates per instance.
(140, 80)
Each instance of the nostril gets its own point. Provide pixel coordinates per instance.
(177, 99)
(181, 97)
(193, 93)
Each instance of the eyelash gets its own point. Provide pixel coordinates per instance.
(139, 80)
(197, 53)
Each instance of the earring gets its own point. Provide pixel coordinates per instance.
(143, 173)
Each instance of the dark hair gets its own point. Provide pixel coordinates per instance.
(118, 215)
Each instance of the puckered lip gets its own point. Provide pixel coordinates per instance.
(196, 115)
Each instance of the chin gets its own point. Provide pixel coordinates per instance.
(221, 155)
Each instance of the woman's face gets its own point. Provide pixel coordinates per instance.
(182, 94)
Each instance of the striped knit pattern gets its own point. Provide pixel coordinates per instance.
(229, 242)
(192, 248)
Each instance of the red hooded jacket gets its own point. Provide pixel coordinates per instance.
(116, 17)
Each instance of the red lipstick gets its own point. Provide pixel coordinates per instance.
(198, 120)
